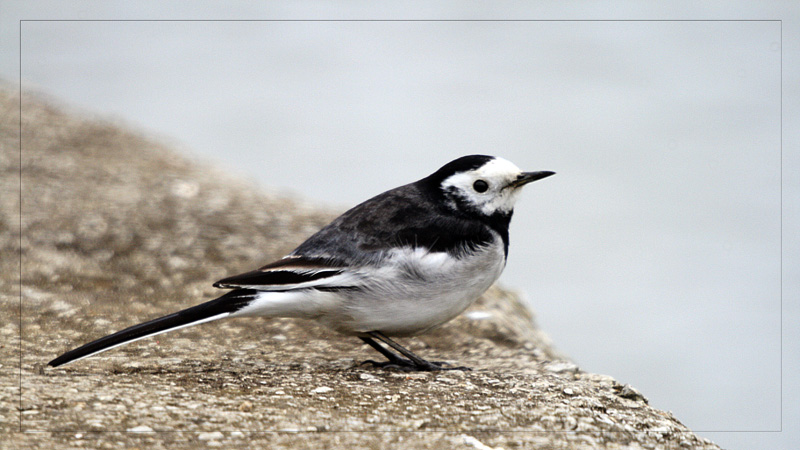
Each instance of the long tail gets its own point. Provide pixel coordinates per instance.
(206, 312)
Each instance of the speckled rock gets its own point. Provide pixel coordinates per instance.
(117, 229)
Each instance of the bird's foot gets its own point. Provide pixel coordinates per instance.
(406, 365)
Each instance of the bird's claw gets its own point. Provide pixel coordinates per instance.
(405, 365)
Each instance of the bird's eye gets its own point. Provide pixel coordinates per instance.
(480, 186)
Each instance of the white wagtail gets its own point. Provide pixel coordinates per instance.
(398, 264)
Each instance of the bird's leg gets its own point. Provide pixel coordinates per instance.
(394, 360)
(413, 363)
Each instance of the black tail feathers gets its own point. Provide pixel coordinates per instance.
(205, 312)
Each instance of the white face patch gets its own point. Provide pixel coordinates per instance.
(497, 174)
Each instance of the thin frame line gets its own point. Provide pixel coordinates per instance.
(401, 20)
(19, 409)
(781, 229)
(431, 430)
(780, 21)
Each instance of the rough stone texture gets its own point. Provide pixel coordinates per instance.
(117, 229)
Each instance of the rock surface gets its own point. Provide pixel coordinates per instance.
(117, 229)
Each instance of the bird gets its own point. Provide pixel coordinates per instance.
(397, 265)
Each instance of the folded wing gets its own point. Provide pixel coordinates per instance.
(292, 272)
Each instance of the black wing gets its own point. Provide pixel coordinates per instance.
(291, 272)
(406, 216)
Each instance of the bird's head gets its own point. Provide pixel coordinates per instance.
(482, 184)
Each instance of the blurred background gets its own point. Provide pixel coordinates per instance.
(655, 253)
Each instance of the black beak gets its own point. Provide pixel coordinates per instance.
(528, 177)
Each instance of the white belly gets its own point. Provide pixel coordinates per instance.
(417, 291)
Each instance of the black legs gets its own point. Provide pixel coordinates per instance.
(411, 362)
